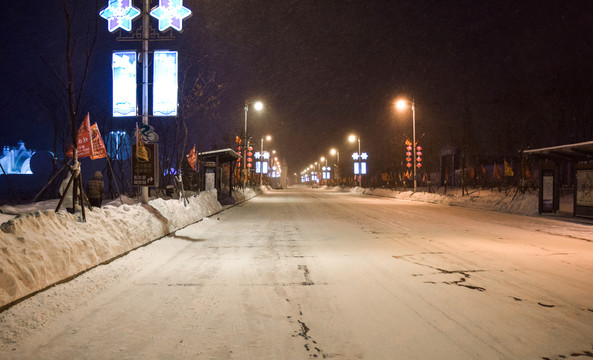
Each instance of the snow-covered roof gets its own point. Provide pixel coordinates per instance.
(578, 151)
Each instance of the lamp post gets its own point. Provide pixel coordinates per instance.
(402, 105)
(324, 169)
(261, 170)
(257, 105)
(337, 173)
(353, 138)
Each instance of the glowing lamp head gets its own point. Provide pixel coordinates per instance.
(401, 105)
(333, 151)
(258, 105)
(268, 138)
(352, 138)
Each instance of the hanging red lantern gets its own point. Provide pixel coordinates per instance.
(409, 165)
(408, 159)
(409, 147)
(409, 153)
(418, 159)
(419, 165)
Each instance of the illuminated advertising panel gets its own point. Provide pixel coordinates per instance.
(124, 83)
(164, 92)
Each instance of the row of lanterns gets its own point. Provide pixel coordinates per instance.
(410, 152)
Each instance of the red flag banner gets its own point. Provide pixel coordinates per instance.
(84, 145)
(99, 150)
(192, 157)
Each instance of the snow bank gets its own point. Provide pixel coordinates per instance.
(40, 247)
(524, 204)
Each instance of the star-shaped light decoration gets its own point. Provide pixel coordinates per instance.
(355, 156)
(170, 13)
(364, 156)
(119, 14)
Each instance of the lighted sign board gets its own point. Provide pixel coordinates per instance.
(119, 14)
(164, 94)
(170, 13)
(124, 83)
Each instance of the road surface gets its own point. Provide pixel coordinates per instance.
(302, 274)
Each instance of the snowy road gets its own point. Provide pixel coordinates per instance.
(302, 274)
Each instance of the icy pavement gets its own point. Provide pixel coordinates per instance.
(314, 274)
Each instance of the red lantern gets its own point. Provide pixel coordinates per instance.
(419, 153)
(418, 159)
(408, 159)
(419, 165)
(409, 165)
(409, 147)
(418, 147)
(409, 153)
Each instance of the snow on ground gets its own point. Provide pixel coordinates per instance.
(40, 247)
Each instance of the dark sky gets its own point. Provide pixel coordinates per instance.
(327, 68)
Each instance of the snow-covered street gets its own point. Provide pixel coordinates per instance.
(302, 273)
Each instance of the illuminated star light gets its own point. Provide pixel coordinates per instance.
(170, 13)
(119, 14)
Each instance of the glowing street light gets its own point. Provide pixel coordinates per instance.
(257, 105)
(353, 138)
(267, 138)
(402, 105)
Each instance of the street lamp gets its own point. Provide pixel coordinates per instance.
(257, 105)
(261, 170)
(353, 138)
(337, 172)
(401, 105)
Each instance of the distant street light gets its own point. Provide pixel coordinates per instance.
(353, 138)
(257, 105)
(261, 172)
(337, 172)
(401, 105)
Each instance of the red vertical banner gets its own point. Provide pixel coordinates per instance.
(84, 145)
(99, 150)
(192, 157)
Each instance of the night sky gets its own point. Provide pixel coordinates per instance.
(519, 72)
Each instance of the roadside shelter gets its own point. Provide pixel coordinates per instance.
(580, 158)
(216, 166)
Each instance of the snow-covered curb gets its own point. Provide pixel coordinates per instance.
(44, 247)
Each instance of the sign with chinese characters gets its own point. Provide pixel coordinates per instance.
(146, 173)
(170, 13)
(164, 94)
(119, 14)
(124, 83)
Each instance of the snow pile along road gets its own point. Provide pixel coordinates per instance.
(43, 247)
(524, 204)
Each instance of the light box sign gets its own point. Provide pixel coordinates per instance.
(124, 83)
(164, 93)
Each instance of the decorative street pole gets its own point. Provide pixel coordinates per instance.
(257, 105)
(120, 13)
(402, 104)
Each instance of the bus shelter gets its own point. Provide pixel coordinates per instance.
(216, 167)
(553, 160)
